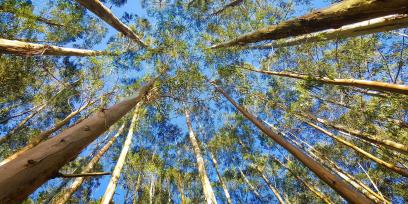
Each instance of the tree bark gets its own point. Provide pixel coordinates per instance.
(180, 187)
(67, 193)
(392, 167)
(220, 178)
(151, 190)
(381, 24)
(208, 191)
(335, 16)
(138, 182)
(376, 85)
(253, 189)
(30, 49)
(110, 189)
(44, 135)
(231, 4)
(30, 16)
(271, 187)
(339, 185)
(82, 175)
(21, 176)
(105, 14)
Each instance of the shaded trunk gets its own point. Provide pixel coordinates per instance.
(376, 85)
(44, 135)
(105, 14)
(19, 114)
(110, 189)
(220, 178)
(180, 187)
(271, 187)
(81, 175)
(67, 193)
(30, 16)
(22, 176)
(138, 182)
(208, 191)
(337, 15)
(381, 24)
(253, 189)
(392, 167)
(30, 49)
(338, 184)
(230, 5)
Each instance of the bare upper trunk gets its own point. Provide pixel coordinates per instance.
(110, 189)
(271, 187)
(338, 184)
(208, 191)
(21, 176)
(105, 14)
(337, 15)
(220, 178)
(229, 5)
(253, 189)
(180, 186)
(29, 49)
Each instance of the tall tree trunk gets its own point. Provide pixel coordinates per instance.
(271, 187)
(44, 135)
(335, 168)
(137, 187)
(392, 167)
(311, 187)
(337, 15)
(356, 133)
(208, 191)
(21, 176)
(381, 24)
(180, 186)
(169, 189)
(67, 193)
(253, 189)
(229, 5)
(105, 14)
(151, 190)
(110, 189)
(376, 85)
(220, 178)
(348, 192)
(29, 16)
(29, 49)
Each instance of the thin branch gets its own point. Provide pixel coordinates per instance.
(61, 175)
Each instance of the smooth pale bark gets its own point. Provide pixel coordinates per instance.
(356, 133)
(30, 49)
(253, 189)
(375, 85)
(105, 14)
(339, 185)
(392, 167)
(208, 191)
(44, 135)
(180, 186)
(220, 178)
(337, 15)
(271, 187)
(110, 189)
(381, 24)
(339, 171)
(67, 193)
(151, 190)
(22, 176)
(229, 5)
(81, 175)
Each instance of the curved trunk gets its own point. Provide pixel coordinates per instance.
(381, 24)
(220, 178)
(105, 14)
(337, 15)
(271, 187)
(392, 167)
(110, 189)
(67, 193)
(22, 176)
(208, 191)
(338, 184)
(24, 48)
(376, 85)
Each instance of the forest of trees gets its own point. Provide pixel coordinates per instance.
(203, 101)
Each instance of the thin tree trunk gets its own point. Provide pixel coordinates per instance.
(335, 16)
(271, 187)
(21, 176)
(29, 16)
(220, 178)
(381, 24)
(253, 189)
(30, 49)
(44, 135)
(338, 184)
(376, 85)
(137, 187)
(105, 14)
(169, 189)
(232, 4)
(151, 191)
(335, 168)
(110, 189)
(356, 133)
(208, 191)
(180, 187)
(311, 187)
(82, 175)
(392, 167)
(19, 114)
(67, 193)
